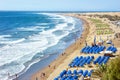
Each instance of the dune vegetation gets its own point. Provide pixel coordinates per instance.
(101, 27)
(110, 71)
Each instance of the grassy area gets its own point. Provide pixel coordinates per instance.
(110, 17)
(95, 20)
(101, 27)
(106, 31)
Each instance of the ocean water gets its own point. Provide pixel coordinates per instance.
(27, 37)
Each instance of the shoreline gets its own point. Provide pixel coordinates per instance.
(45, 61)
(52, 66)
(90, 30)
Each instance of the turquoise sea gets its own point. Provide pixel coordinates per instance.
(28, 38)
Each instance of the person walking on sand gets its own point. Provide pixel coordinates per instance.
(16, 77)
(44, 74)
(54, 67)
(40, 75)
(36, 78)
(8, 74)
(49, 66)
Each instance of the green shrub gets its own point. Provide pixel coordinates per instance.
(112, 71)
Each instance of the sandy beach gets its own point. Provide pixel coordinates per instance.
(61, 63)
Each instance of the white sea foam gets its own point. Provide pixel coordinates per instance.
(12, 42)
(65, 18)
(53, 15)
(4, 36)
(16, 53)
(35, 28)
(43, 23)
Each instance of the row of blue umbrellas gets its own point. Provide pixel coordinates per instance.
(73, 75)
(111, 48)
(81, 61)
(101, 60)
(93, 49)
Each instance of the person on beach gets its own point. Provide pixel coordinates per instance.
(49, 66)
(8, 74)
(36, 78)
(62, 54)
(16, 76)
(43, 74)
(80, 43)
(54, 67)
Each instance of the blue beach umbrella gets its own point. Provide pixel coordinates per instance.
(56, 79)
(80, 72)
(106, 59)
(75, 72)
(63, 78)
(89, 73)
(98, 58)
(69, 76)
(85, 73)
(63, 73)
(101, 60)
(75, 77)
(88, 62)
(92, 57)
(69, 72)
